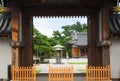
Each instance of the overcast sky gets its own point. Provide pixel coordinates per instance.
(46, 26)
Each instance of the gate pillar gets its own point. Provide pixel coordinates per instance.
(21, 38)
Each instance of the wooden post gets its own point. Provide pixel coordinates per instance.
(21, 38)
(26, 51)
(105, 32)
(94, 54)
(15, 36)
(99, 54)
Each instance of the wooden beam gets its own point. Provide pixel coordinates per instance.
(55, 2)
(60, 11)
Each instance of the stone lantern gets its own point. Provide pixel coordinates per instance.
(59, 49)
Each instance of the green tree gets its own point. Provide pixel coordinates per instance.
(41, 44)
(64, 36)
(78, 27)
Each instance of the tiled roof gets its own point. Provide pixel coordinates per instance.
(115, 24)
(5, 23)
(79, 39)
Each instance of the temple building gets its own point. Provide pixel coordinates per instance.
(79, 44)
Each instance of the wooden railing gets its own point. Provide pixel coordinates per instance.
(60, 73)
(98, 73)
(23, 73)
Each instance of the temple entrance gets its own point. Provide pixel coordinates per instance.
(94, 37)
(98, 25)
(97, 12)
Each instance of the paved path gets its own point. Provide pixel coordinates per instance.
(77, 67)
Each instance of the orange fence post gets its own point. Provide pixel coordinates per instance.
(97, 73)
(60, 73)
(23, 73)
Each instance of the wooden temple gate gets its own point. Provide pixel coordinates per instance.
(96, 11)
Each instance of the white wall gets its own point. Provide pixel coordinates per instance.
(5, 57)
(115, 58)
